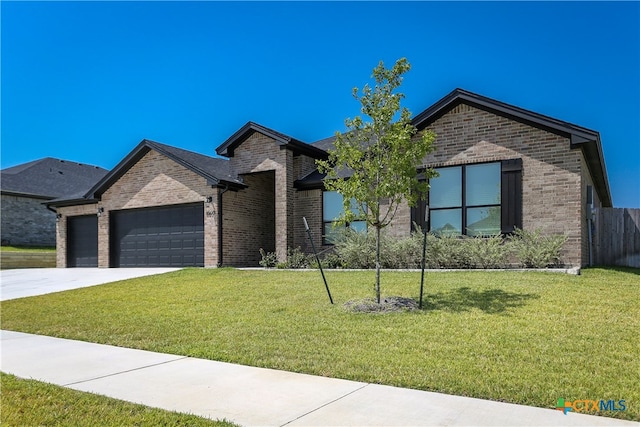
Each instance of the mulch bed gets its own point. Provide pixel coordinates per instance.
(387, 305)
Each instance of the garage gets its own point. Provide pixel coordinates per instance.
(168, 236)
(82, 241)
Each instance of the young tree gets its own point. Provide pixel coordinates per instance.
(375, 162)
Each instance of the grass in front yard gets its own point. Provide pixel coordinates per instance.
(27, 249)
(31, 403)
(527, 338)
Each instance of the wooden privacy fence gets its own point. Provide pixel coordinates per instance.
(616, 238)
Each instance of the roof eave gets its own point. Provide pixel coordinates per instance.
(209, 177)
(231, 185)
(71, 202)
(138, 153)
(579, 137)
(459, 96)
(594, 158)
(119, 170)
(28, 195)
(299, 147)
(228, 147)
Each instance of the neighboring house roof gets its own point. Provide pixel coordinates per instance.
(579, 137)
(284, 141)
(49, 178)
(217, 172)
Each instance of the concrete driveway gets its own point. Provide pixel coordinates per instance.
(29, 282)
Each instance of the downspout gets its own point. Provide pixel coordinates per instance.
(220, 251)
(590, 215)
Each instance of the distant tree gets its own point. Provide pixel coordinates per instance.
(375, 163)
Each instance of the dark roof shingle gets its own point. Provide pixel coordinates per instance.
(50, 178)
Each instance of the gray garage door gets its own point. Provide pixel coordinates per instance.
(171, 236)
(82, 241)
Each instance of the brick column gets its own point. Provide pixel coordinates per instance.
(103, 239)
(284, 205)
(61, 242)
(211, 214)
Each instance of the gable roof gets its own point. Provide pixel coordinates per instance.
(228, 147)
(217, 172)
(579, 137)
(586, 139)
(49, 178)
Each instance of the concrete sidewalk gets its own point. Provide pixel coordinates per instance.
(254, 396)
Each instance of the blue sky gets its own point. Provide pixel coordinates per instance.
(87, 81)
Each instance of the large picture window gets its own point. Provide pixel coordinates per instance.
(332, 204)
(466, 200)
(477, 200)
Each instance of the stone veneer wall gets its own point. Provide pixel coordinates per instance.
(27, 222)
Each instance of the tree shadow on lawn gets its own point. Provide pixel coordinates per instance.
(491, 301)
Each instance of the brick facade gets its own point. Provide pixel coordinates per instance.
(551, 171)
(554, 176)
(308, 205)
(259, 153)
(154, 180)
(268, 213)
(27, 222)
(249, 222)
(61, 228)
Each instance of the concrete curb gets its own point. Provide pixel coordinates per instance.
(572, 271)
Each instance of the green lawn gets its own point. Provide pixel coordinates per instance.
(31, 403)
(526, 338)
(27, 249)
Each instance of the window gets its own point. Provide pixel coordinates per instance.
(477, 200)
(466, 200)
(331, 211)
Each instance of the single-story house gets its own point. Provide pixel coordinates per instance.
(500, 167)
(25, 188)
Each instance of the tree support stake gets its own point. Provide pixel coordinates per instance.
(306, 226)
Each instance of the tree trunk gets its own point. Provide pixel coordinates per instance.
(378, 265)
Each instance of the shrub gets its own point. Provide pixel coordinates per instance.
(489, 252)
(357, 250)
(269, 259)
(449, 252)
(531, 249)
(402, 253)
(331, 260)
(535, 250)
(296, 259)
